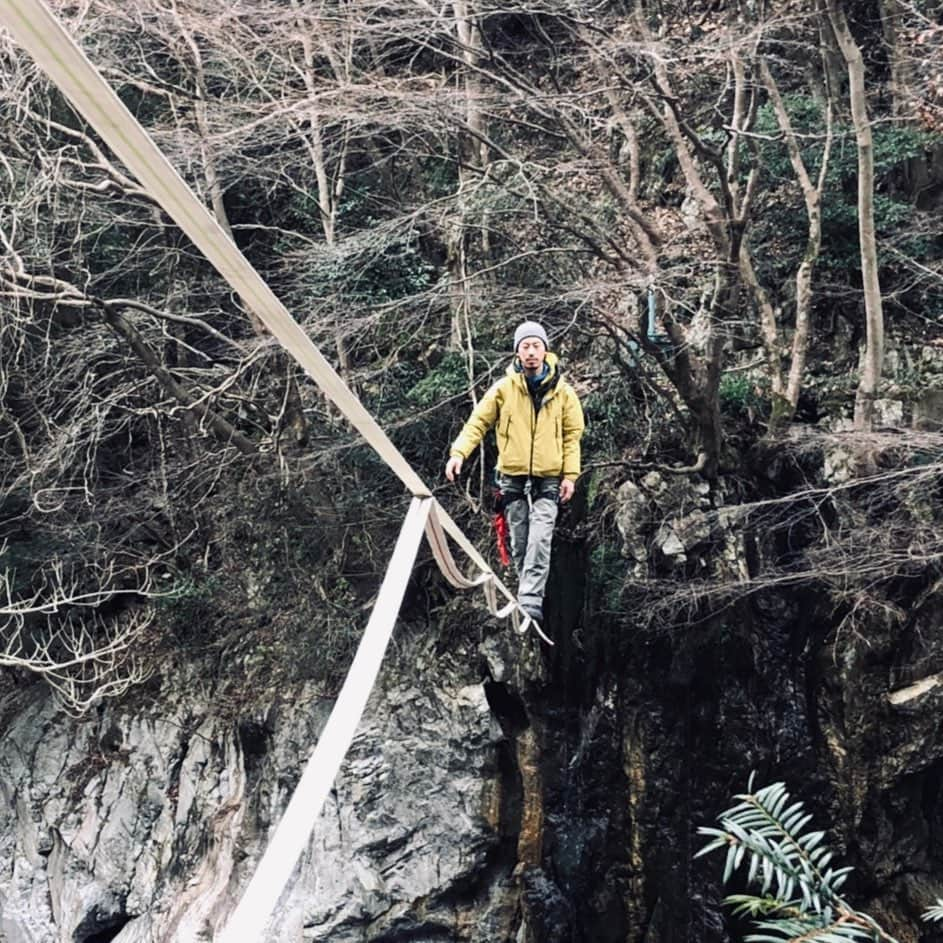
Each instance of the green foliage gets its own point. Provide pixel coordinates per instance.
(398, 272)
(591, 483)
(934, 914)
(448, 377)
(607, 575)
(189, 601)
(738, 394)
(894, 144)
(783, 223)
(375, 274)
(805, 114)
(810, 931)
(799, 897)
(611, 420)
(380, 262)
(438, 176)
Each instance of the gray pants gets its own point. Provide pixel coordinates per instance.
(531, 513)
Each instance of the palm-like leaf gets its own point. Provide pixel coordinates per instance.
(748, 905)
(808, 929)
(765, 829)
(934, 913)
(799, 890)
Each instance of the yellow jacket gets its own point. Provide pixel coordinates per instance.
(542, 444)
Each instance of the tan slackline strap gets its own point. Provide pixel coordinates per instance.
(40, 33)
(454, 576)
(247, 922)
(37, 29)
(451, 572)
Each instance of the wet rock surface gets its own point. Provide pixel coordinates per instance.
(144, 826)
(502, 790)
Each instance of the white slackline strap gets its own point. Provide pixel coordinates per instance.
(443, 556)
(38, 30)
(487, 580)
(445, 522)
(247, 922)
(42, 35)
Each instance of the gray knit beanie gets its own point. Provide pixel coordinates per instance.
(530, 329)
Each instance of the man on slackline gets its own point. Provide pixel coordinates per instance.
(539, 422)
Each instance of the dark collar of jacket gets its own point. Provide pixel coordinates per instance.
(538, 393)
(548, 383)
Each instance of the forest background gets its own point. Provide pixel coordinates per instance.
(726, 214)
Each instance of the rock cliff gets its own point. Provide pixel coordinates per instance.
(141, 823)
(500, 790)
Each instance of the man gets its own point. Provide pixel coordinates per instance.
(539, 422)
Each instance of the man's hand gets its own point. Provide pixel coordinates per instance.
(453, 467)
(567, 488)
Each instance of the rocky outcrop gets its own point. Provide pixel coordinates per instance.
(502, 791)
(143, 823)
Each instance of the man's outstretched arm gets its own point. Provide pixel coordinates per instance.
(483, 417)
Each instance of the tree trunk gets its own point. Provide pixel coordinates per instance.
(472, 153)
(873, 360)
(785, 390)
(330, 180)
(890, 18)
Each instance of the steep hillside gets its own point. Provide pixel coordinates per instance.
(192, 538)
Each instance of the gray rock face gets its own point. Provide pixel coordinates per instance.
(678, 504)
(574, 822)
(928, 411)
(146, 824)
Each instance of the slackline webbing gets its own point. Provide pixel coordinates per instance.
(453, 575)
(37, 29)
(248, 920)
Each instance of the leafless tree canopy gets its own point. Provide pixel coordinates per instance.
(661, 183)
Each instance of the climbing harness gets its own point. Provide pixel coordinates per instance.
(38, 30)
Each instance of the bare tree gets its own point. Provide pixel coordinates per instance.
(407, 176)
(328, 155)
(873, 359)
(852, 541)
(636, 77)
(61, 632)
(80, 554)
(785, 391)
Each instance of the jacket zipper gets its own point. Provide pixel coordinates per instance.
(533, 436)
(533, 427)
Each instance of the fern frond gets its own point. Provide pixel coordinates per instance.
(748, 905)
(807, 929)
(765, 828)
(798, 900)
(935, 913)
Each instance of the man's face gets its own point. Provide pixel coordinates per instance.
(532, 353)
